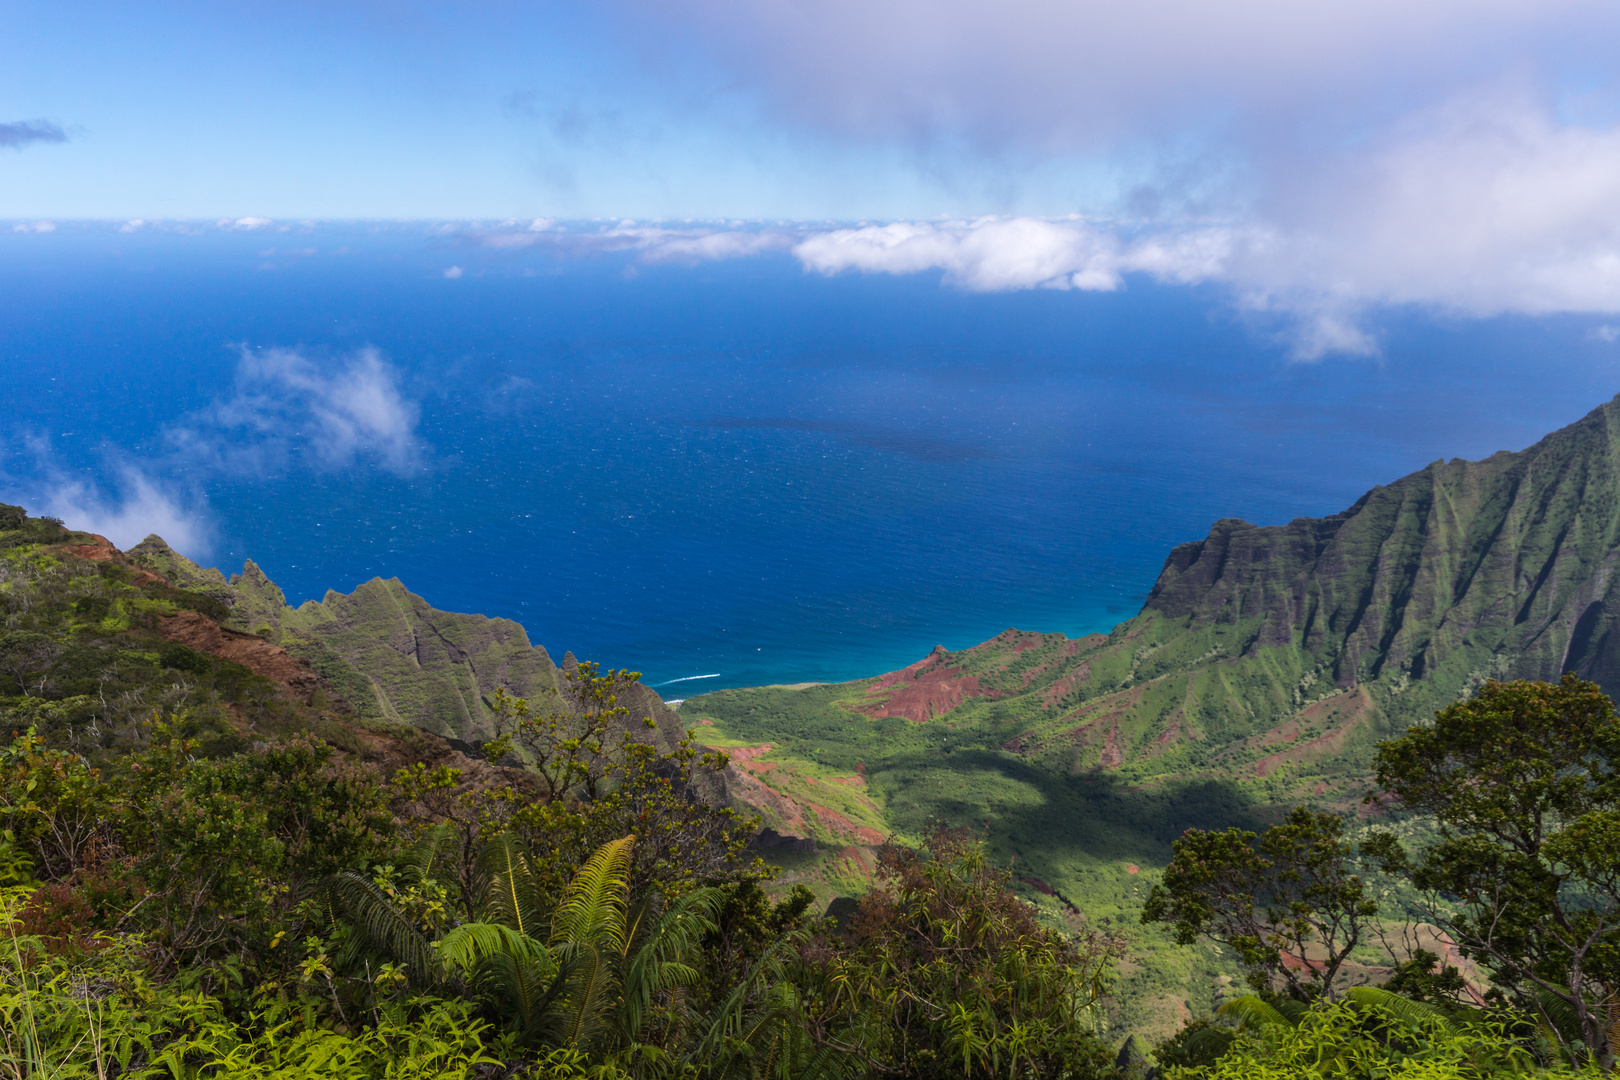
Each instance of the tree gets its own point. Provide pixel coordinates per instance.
(947, 974)
(1522, 779)
(1273, 903)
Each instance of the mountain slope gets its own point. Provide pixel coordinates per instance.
(1263, 668)
(1286, 651)
(390, 654)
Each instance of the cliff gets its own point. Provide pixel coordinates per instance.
(390, 654)
(1264, 666)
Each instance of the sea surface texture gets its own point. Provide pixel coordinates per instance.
(721, 474)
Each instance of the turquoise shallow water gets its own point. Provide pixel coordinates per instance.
(735, 471)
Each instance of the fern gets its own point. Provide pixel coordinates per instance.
(1252, 1012)
(382, 925)
(1413, 1014)
(511, 890)
(594, 905)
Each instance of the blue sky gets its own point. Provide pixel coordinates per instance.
(1317, 159)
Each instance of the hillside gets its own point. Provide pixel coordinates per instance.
(1262, 669)
(390, 655)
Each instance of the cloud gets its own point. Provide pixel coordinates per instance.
(652, 243)
(1606, 334)
(289, 411)
(998, 254)
(21, 133)
(453, 272)
(1482, 206)
(1322, 160)
(34, 227)
(245, 224)
(1066, 75)
(142, 506)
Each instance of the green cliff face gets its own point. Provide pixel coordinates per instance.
(1275, 657)
(1263, 668)
(390, 654)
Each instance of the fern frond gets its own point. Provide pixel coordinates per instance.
(1252, 1012)
(382, 924)
(468, 945)
(583, 1006)
(1413, 1014)
(1206, 1045)
(1562, 1014)
(510, 891)
(657, 963)
(424, 857)
(593, 906)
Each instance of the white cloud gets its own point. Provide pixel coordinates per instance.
(1606, 334)
(453, 272)
(142, 506)
(245, 224)
(35, 227)
(1320, 159)
(653, 243)
(132, 225)
(997, 254)
(288, 410)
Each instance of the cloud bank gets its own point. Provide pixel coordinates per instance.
(1319, 159)
(654, 243)
(21, 133)
(288, 411)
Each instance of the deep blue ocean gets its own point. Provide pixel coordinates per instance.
(737, 469)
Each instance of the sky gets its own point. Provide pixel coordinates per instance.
(1316, 160)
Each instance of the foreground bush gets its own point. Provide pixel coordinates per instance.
(1370, 1035)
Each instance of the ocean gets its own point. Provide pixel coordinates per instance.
(718, 474)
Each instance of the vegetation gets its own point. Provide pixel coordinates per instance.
(1274, 904)
(220, 860)
(1524, 780)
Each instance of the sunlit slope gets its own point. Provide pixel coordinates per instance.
(1266, 662)
(391, 654)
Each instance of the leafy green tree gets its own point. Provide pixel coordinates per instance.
(1524, 781)
(946, 973)
(1369, 1033)
(1275, 903)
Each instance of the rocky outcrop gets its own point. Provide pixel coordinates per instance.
(1514, 554)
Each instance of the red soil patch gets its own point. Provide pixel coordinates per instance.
(103, 551)
(1113, 755)
(1066, 685)
(1351, 706)
(848, 781)
(1132, 868)
(746, 757)
(1039, 886)
(924, 690)
(1287, 733)
(781, 813)
(251, 651)
(838, 823)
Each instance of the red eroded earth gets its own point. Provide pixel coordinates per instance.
(924, 690)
